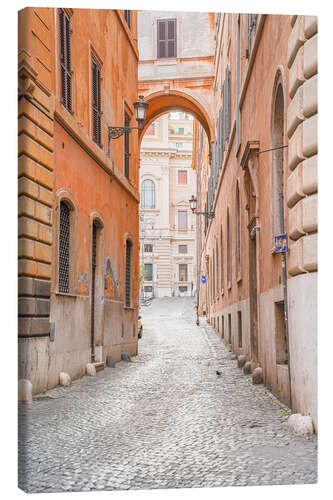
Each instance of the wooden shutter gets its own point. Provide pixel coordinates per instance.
(172, 38)
(96, 101)
(126, 147)
(65, 60)
(166, 38)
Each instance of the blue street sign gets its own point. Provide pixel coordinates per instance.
(280, 244)
(203, 279)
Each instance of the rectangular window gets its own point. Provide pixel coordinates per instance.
(229, 328)
(179, 145)
(182, 220)
(148, 248)
(148, 272)
(128, 274)
(96, 101)
(183, 289)
(222, 327)
(148, 289)
(127, 15)
(182, 176)
(126, 146)
(182, 272)
(280, 334)
(65, 60)
(181, 131)
(240, 335)
(182, 248)
(166, 38)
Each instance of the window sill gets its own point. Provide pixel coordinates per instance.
(129, 308)
(71, 295)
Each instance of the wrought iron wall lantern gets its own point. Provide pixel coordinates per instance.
(140, 114)
(193, 206)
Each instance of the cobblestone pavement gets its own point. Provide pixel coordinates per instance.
(165, 420)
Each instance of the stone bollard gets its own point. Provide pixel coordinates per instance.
(247, 368)
(241, 360)
(233, 356)
(125, 357)
(300, 424)
(64, 379)
(24, 390)
(109, 362)
(257, 376)
(91, 370)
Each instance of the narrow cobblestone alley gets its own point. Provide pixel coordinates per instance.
(164, 420)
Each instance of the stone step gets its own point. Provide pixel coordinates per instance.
(99, 366)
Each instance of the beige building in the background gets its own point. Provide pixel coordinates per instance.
(167, 225)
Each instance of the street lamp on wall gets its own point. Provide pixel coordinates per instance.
(193, 206)
(140, 114)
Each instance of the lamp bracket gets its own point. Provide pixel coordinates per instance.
(116, 132)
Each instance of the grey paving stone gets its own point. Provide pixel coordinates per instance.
(163, 421)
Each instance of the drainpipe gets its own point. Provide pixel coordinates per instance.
(285, 294)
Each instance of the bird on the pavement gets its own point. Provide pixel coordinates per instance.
(218, 373)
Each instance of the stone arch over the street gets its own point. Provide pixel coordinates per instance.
(162, 102)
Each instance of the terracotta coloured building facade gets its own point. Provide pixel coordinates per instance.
(261, 182)
(78, 191)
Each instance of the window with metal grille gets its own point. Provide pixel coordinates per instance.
(96, 101)
(127, 15)
(183, 289)
(148, 248)
(182, 176)
(127, 153)
(182, 248)
(64, 247)
(238, 234)
(182, 272)
(182, 220)
(128, 274)
(65, 60)
(148, 289)
(221, 259)
(228, 250)
(166, 38)
(148, 194)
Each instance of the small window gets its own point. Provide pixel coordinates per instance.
(181, 131)
(183, 289)
(148, 248)
(127, 15)
(182, 220)
(240, 329)
(127, 153)
(148, 194)
(182, 272)
(148, 289)
(65, 60)
(229, 328)
(182, 176)
(182, 248)
(64, 247)
(96, 101)
(166, 38)
(179, 145)
(148, 272)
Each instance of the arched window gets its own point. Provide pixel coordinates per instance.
(64, 246)
(238, 233)
(228, 250)
(277, 210)
(148, 194)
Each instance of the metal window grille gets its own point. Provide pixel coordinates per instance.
(127, 153)
(65, 60)
(96, 102)
(128, 275)
(64, 247)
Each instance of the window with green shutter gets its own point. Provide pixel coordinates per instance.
(65, 60)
